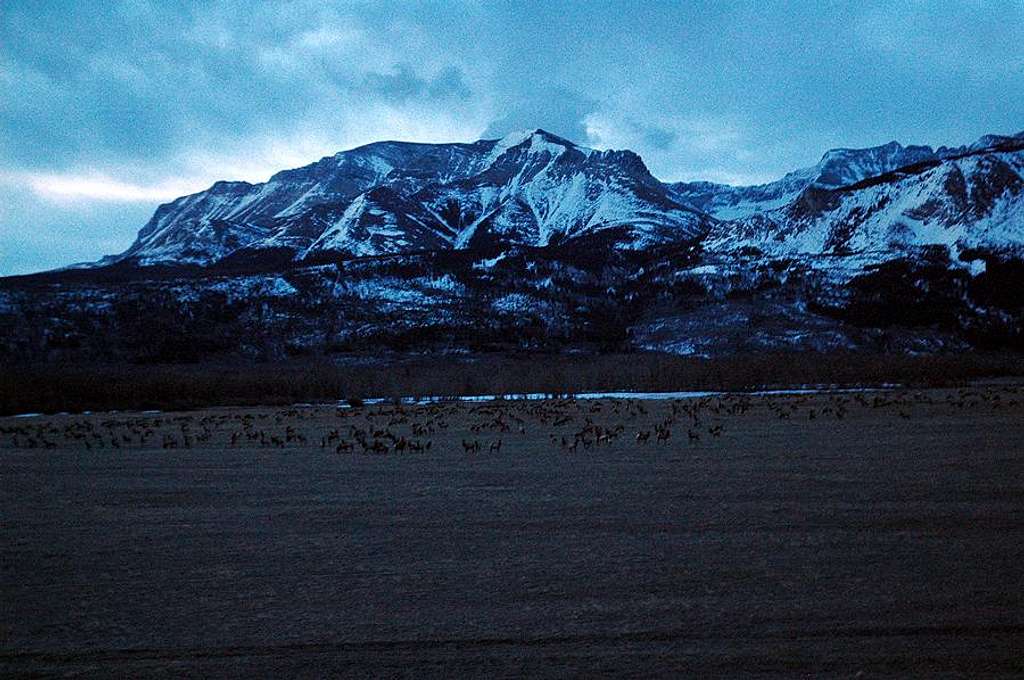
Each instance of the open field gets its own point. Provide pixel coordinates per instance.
(831, 534)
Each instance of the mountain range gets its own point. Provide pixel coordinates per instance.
(537, 189)
(534, 242)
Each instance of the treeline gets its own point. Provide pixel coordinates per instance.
(53, 388)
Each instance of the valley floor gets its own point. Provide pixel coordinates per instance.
(773, 535)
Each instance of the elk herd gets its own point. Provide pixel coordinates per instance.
(568, 426)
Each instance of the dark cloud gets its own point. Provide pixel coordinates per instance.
(450, 83)
(403, 84)
(142, 81)
(659, 138)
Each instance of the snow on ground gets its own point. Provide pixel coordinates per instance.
(238, 288)
(684, 394)
(515, 302)
(489, 262)
(445, 284)
(385, 290)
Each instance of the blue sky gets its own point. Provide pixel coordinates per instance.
(109, 108)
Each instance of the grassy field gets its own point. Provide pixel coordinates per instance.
(53, 388)
(872, 533)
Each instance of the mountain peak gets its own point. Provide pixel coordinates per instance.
(839, 167)
(534, 136)
(517, 137)
(536, 140)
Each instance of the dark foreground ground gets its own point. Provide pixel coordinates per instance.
(882, 536)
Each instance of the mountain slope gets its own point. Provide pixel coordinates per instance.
(279, 210)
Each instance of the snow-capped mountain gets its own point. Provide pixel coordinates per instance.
(530, 188)
(966, 198)
(838, 167)
(536, 189)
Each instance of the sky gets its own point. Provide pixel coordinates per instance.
(108, 108)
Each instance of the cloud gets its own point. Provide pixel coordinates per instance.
(136, 96)
(555, 109)
(981, 40)
(676, 148)
(216, 75)
(102, 188)
(403, 84)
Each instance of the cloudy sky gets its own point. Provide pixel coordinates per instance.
(109, 108)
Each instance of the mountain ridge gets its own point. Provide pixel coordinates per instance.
(528, 188)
